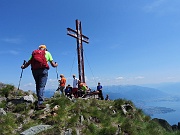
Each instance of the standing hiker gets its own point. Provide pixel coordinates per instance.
(75, 86)
(62, 83)
(39, 66)
(99, 88)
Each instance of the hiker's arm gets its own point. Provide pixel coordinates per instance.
(26, 64)
(53, 64)
(59, 81)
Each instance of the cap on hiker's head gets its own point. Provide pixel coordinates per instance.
(74, 75)
(61, 75)
(42, 46)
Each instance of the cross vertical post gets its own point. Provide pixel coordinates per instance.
(80, 38)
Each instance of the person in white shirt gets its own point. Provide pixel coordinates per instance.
(75, 86)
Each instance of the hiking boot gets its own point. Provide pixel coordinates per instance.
(58, 89)
(41, 106)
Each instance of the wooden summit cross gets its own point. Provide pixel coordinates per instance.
(80, 38)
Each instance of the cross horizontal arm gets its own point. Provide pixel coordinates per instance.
(73, 33)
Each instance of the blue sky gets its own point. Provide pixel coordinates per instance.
(131, 42)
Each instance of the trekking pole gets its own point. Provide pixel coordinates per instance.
(57, 77)
(21, 75)
(56, 72)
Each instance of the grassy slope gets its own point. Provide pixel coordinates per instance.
(89, 117)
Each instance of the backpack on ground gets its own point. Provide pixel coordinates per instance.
(38, 60)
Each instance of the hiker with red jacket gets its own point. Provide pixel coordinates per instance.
(62, 84)
(39, 66)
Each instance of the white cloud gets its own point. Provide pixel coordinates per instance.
(10, 52)
(120, 78)
(86, 78)
(66, 53)
(52, 83)
(139, 77)
(29, 84)
(170, 78)
(115, 46)
(13, 52)
(12, 40)
(154, 5)
(163, 7)
(52, 80)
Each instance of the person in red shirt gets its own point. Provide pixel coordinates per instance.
(62, 83)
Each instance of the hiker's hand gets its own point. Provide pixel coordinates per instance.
(22, 67)
(26, 64)
(55, 64)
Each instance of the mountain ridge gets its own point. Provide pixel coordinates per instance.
(77, 116)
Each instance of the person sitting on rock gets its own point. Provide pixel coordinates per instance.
(82, 90)
(68, 91)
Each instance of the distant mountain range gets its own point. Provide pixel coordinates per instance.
(171, 88)
(133, 92)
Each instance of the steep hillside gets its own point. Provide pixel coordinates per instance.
(78, 116)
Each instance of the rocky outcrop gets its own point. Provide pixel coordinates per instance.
(176, 127)
(36, 129)
(2, 85)
(126, 108)
(29, 98)
(2, 112)
(164, 124)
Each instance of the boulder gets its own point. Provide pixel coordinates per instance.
(68, 132)
(36, 129)
(127, 108)
(2, 112)
(29, 98)
(3, 99)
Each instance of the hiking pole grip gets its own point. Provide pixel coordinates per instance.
(24, 62)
